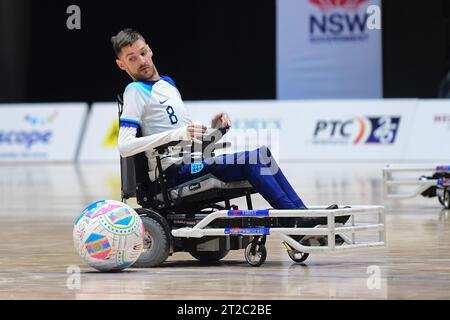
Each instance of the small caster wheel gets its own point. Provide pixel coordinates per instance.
(257, 256)
(298, 256)
(445, 199)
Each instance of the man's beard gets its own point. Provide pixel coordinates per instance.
(141, 76)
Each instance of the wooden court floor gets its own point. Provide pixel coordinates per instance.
(39, 204)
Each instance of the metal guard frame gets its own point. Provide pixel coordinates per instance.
(389, 182)
(201, 230)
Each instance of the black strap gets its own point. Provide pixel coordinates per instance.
(120, 104)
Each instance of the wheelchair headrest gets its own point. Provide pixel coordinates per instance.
(119, 99)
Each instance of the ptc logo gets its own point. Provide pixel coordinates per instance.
(357, 130)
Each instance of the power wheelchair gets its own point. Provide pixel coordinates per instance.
(198, 216)
(436, 184)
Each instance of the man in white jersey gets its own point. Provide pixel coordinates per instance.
(153, 103)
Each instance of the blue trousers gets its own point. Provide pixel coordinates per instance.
(257, 167)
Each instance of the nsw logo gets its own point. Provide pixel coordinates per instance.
(327, 5)
(338, 20)
(357, 130)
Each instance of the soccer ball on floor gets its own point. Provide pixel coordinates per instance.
(108, 235)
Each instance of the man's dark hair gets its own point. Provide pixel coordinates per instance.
(124, 38)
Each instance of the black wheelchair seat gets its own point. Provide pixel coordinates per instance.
(194, 194)
(207, 188)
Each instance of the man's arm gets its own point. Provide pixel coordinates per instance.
(129, 145)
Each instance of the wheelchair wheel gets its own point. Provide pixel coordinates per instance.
(298, 256)
(445, 199)
(258, 256)
(156, 244)
(209, 256)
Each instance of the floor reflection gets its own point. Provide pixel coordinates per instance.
(39, 204)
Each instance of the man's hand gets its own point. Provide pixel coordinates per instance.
(195, 132)
(221, 121)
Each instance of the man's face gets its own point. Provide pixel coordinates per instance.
(136, 60)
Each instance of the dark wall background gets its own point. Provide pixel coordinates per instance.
(14, 50)
(212, 49)
(222, 49)
(416, 47)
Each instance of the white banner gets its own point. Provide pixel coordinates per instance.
(100, 136)
(254, 123)
(310, 130)
(40, 132)
(430, 138)
(329, 49)
(351, 130)
(388, 129)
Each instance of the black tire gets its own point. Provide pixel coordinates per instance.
(298, 256)
(156, 244)
(441, 201)
(209, 256)
(445, 200)
(257, 259)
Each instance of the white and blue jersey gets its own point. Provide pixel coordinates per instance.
(157, 109)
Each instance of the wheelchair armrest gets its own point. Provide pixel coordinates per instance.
(213, 137)
(222, 145)
(164, 147)
(207, 140)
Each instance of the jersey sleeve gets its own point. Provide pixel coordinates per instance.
(133, 106)
(169, 80)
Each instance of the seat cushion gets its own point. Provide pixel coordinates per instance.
(202, 184)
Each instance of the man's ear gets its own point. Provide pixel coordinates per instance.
(151, 52)
(120, 64)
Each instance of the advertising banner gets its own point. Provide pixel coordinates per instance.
(308, 130)
(352, 129)
(254, 123)
(100, 136)
(380, 129)
(329, 49)
(40, 132)
(430, 136)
